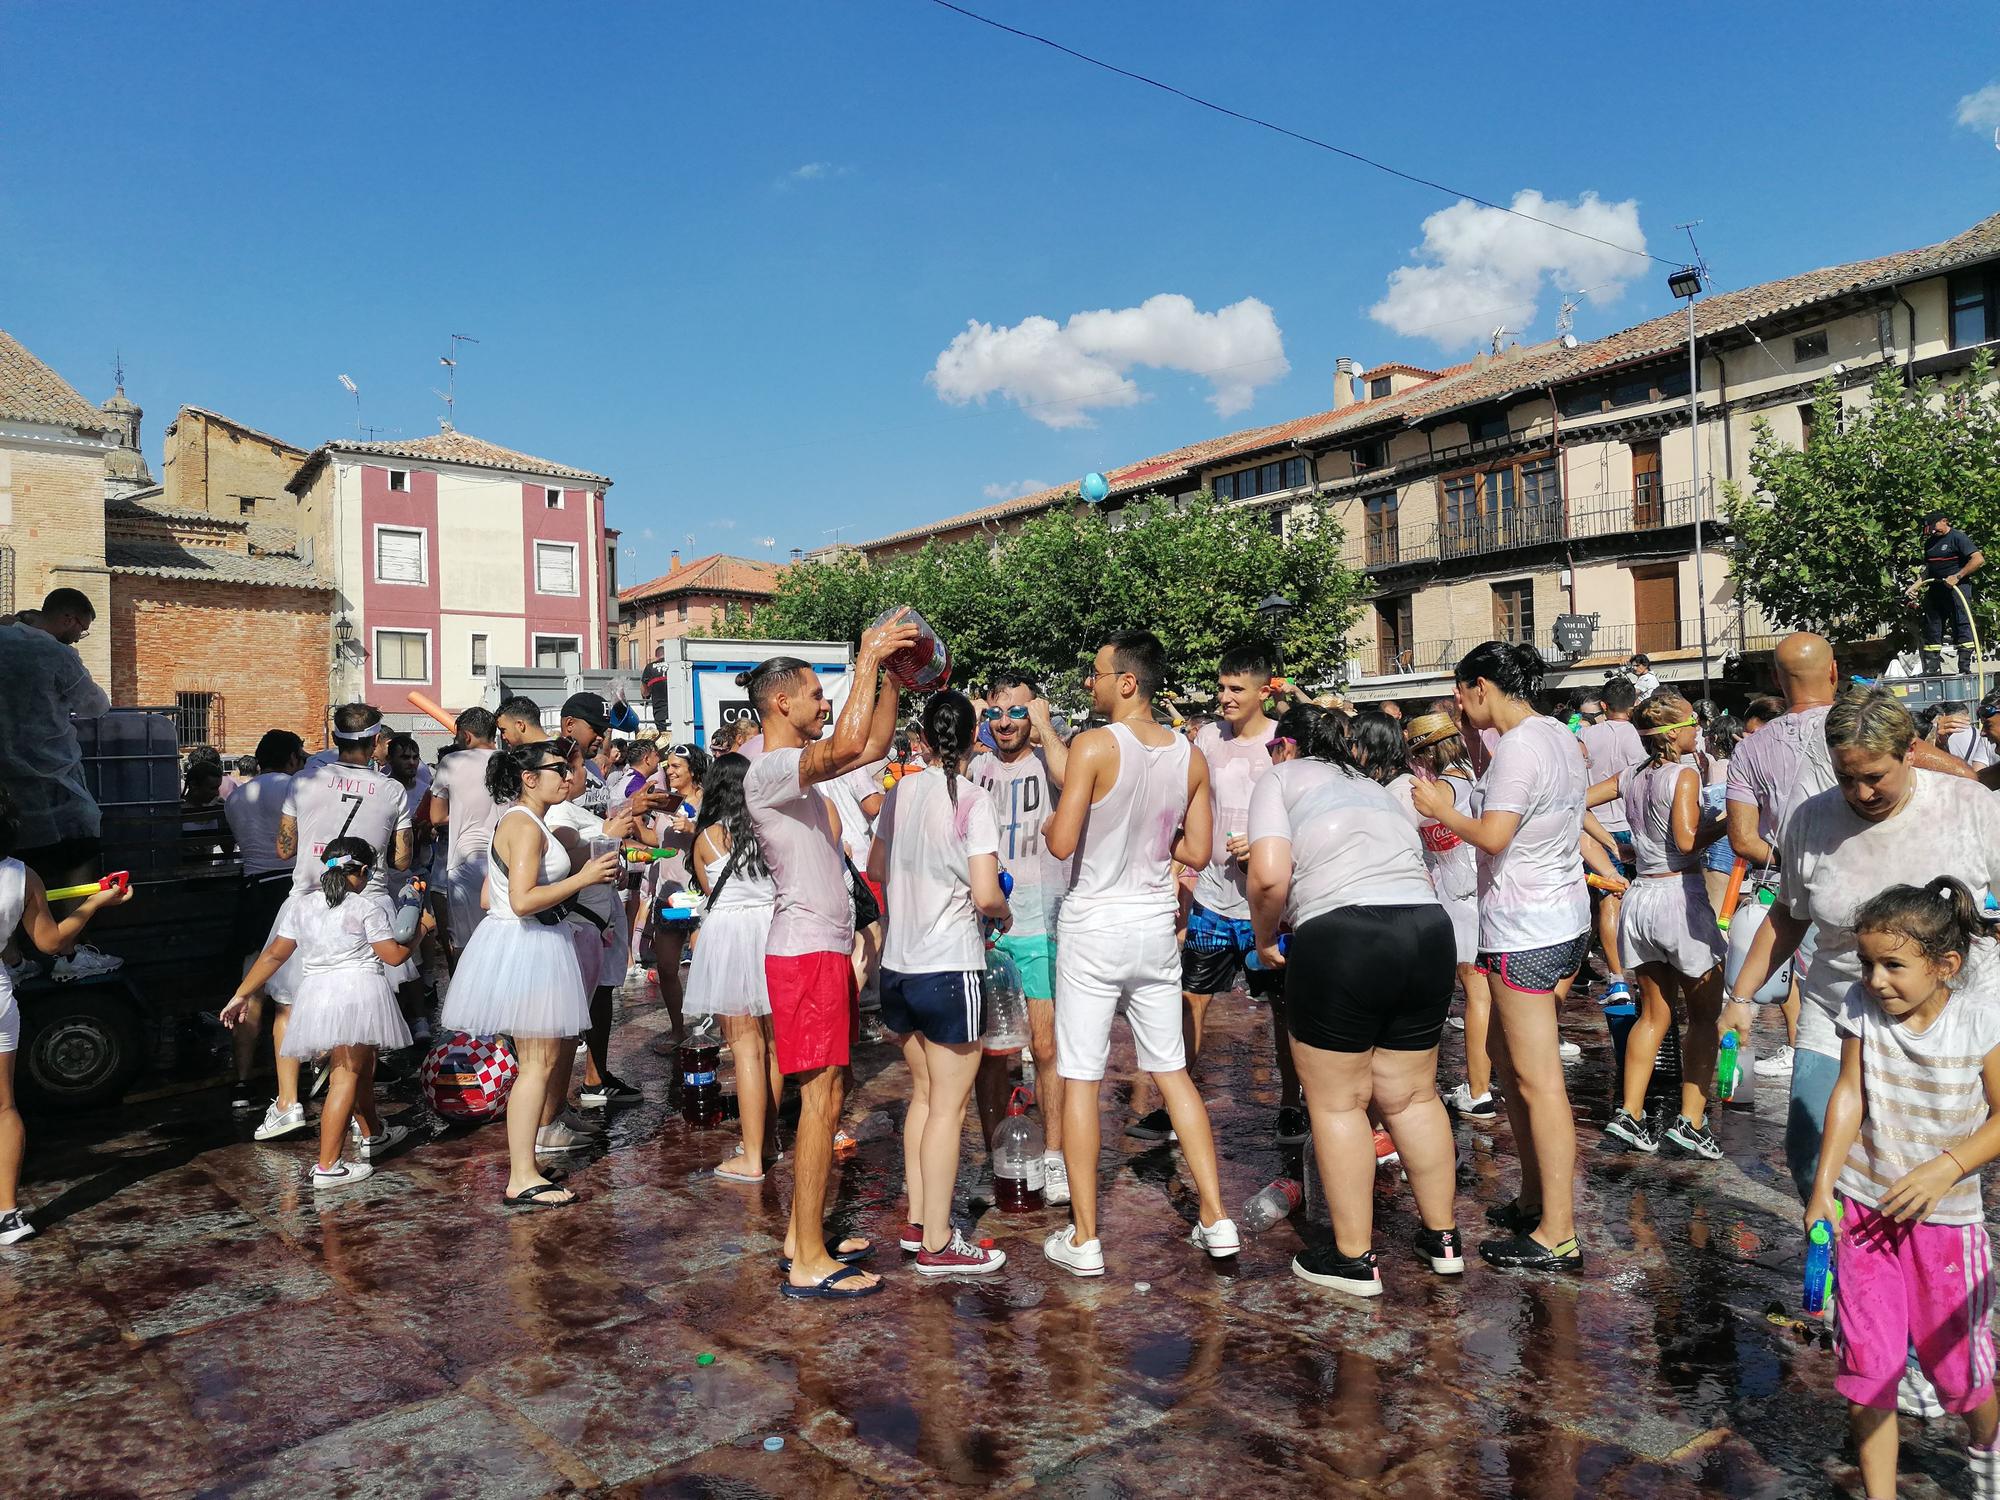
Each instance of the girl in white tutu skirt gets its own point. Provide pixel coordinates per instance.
(344, 1003)
(727, 977)
(519, 974)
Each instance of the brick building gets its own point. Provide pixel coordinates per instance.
(687, 598)
(216, 464)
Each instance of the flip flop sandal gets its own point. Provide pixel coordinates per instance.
(534, 1196)
(829, 1289)
(845, 1257)
(742, 1177)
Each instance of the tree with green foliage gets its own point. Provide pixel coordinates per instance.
(1044, 597)
(1828, 538)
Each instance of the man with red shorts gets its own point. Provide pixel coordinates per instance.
(808, 968)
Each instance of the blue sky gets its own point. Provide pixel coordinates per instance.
(715, 252)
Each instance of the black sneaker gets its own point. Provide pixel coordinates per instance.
(1323, 1265)
(1294, 1129)
(1523, 1252)
(1154, 1127)
(609, 1090)
(1695, 1140)
(1443, 1249)
(1513, 1218)
(1634, 1130)
(241, 1098)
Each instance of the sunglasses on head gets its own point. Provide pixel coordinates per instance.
(1013, 712)
(680, 752)
(1277, 740)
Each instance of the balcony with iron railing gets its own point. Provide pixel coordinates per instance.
(1375, 660)
(1396, 541)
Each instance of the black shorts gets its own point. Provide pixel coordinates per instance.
(1217, 950)
(1371, 976)
(257, 907)
(948, 1008)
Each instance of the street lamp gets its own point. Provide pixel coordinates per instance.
(1273, 611)
(343, 635)
(1686, 283)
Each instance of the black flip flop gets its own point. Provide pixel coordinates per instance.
(829, 1289)
(533, 1196)
(845, 1257)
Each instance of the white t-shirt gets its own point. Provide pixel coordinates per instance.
(1024, 799)
(332, 801)
(1531, 894)
(332, 938)
(933, 925)
(253, 815)
(1832, 860)
(848, 792)
(1235, 766)
(586, 825)
(1647, 794)
(1454, 871)
(1351, 844)
(1610, 748)
(460, 784)
(815, 909)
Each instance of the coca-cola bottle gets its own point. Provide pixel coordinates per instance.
(924, 665)
(1019, 1165)
(701, 1087)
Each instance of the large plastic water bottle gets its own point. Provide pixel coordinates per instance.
(1728, 1066)
(1006, 1005)
(1274, 1204)
(701, 1085)
(1020, 1166)
(925, 665)
(1744, 927)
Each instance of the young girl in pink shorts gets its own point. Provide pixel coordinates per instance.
(1912, 1120)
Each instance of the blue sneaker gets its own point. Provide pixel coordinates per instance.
(1617, 992)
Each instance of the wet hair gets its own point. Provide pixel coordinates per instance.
(505, 776)
(1618, 695)
(950, 724)
(1379, 745)
(1765, 708)
(770, 677)
(1013, 677)
(1245, 661)
(1724, 733)
(1989, 706)
(1516, 670)
(1871, 719)
(520, 706)
(1940, 917)
(341, 855)
(400, 741)
(1706, 710)
(722, 802)
(352, 718)
(277, 748)
(69, 602)
(10, 823)
(1321, 734)
(726, 739)
(477, 724)
(1658, 711)
(1140, 653)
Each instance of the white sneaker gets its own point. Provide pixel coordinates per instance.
(342, 1174)
(20, 973)
(280, 1122)
(1055, 1180)
(1568, 1051)
(1219, 1239)
(1086, 1259)
(583, 1124)
(556, 1136)
(1776, 1065)
(1458, 1023)
(14, 1226)
(1985, 1466)
(1916, 1396)
(1461, 1102)
(391, 1137)
(85, 963)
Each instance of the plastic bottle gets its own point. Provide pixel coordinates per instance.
(1819, 1267)
(1728, 1065)
(1743, 927)
(1006, 1005)
(701, 1087)
(408, 916)
(1284, 951)
(923, 666)
(1274, 1204)
(1019, 1163)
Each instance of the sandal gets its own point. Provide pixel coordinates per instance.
(845, 1257)
(537, 1197)
(830, 1288)
(743, 1177)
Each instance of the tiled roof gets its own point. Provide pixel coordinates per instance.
(244, 428)
(1518, 370)
(718, 573)
(451, 447)
(31, 392)
(161, 559)
(143, 506)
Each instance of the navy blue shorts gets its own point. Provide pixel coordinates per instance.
(947, 1008)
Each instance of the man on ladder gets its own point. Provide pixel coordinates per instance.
(1949, 559)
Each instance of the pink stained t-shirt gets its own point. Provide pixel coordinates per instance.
(1531, 894)
(1611, 748)
(815, 907)
(1235, 766)
(1764, 772)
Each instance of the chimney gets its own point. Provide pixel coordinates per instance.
(1345, 372)
(676, 561)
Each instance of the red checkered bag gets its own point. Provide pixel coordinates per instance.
(469, 1077)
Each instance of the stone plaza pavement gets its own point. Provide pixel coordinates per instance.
(189, 1322)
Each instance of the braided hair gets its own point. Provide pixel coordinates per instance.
(951, 724)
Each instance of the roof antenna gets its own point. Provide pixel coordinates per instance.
(354, 391)
(1497, 335)
(449, 395)
(1699, 264)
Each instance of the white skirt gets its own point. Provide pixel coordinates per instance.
(520, 978)
(727, 975)
(1669, 921)
(344, 1008)
(283, 986)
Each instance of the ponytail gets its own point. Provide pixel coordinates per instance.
(1940, 917)
(1514, 669)
(340, 856)
(503, 775)
(1659, 716)
(950, 724)
(1321, 734)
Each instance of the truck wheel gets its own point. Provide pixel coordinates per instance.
(80, 1049)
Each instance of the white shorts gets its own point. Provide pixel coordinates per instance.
(1108, 961)
(10, 1025)
(1668, 921)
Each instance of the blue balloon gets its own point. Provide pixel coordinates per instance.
(1094, 487)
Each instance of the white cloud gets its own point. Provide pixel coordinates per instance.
(1014, 491)
(812, 171)
(1479, 267)
(646, 535)
(1059, 372)
(1981, 110)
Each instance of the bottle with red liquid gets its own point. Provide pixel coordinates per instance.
(924, 666)
(701, 1084)
(1020, 1168)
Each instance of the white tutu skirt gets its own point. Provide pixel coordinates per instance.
(727, 975)
(1669, 921)
(344, 1008)
(283, 986)
(520, 978)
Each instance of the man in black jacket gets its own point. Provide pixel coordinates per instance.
(1949, 559)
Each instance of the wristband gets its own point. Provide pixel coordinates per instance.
(1955, 1161)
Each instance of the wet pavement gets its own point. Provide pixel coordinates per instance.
(190, 1322)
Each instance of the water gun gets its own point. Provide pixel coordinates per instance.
(1728, 1061)
(894, 772)
(640, 854)
(1819, 1262)
(1605, 883)
(119, 878)
(1732, 895)
(992, 927)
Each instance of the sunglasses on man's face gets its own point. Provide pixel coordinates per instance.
(1014, 711)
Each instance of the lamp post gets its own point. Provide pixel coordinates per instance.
(1274, 612)
(1686, 284)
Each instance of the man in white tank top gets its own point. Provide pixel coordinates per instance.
(1134, 800)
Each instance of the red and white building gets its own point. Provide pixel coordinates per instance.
(450, 557)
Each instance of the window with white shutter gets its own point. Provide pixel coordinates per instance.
(555, 568)
(399, 555)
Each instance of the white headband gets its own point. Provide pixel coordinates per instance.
(359, 734)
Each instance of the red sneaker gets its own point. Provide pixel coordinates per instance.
(912, 1238)
(960, 1259)
(1386, 1154)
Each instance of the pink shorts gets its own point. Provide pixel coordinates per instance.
(1922, 1286)
(815, 1010)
